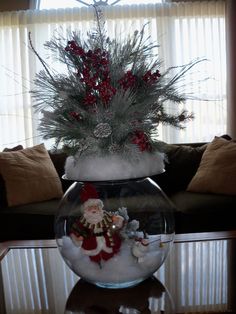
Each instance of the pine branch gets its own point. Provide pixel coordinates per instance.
(108, 83)
(38, 56)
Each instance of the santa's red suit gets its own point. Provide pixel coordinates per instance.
(99, 240)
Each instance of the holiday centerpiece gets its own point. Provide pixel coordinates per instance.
(115, 226)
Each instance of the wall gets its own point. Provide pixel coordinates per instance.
(13, 5)
(231, 66)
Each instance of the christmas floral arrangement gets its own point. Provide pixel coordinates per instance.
(106, 107)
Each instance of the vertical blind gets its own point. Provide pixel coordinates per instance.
(184, 31)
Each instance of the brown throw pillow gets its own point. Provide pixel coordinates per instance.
(13, 149)
(217, 170)
(3, 196)
(29, 176)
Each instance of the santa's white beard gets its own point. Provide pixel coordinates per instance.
(93, 218)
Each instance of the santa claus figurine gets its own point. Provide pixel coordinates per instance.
(96, 231)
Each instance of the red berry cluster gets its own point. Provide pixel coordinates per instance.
(75, 115)
(141, 139)
(94, 73)
(90, 99)
(106, 91)
(74, 48)
(128, 80)
(150, 77)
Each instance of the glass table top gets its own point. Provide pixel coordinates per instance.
(197, 277)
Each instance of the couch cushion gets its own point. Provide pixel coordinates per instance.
(217, 170)
(198, 212)
(29, 221)
(29, 176)
(3, 198)
(38, 208)
(59, 158)
(202, 203)
(181, 165)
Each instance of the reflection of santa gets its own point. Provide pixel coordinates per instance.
(96, 228)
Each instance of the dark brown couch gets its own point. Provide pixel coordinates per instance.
(195, 212)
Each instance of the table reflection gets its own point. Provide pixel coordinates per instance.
(149, 297)
(200, 277)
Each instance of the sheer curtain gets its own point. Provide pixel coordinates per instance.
(184, 31)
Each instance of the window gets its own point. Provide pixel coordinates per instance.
(52, 4)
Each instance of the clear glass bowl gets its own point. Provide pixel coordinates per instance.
(115, 234)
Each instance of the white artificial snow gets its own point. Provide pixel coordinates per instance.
(113, 167)
(121, 268)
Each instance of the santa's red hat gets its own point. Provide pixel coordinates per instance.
(89, 196)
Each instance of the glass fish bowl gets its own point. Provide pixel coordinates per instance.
(115, 234)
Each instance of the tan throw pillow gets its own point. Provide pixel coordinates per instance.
(29, 176)
(217, 169)
(3, 196)
(13, 149)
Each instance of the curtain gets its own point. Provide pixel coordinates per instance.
(184, 32)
